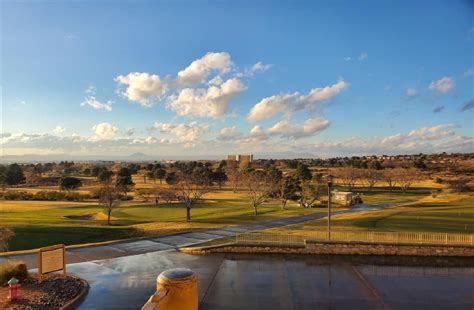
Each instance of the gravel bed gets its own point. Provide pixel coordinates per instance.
(54, 292)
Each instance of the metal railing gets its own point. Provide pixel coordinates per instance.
(360, 236)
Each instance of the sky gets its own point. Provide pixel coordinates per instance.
(327, 78)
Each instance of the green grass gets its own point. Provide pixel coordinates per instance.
(451, 213)
(50, 225)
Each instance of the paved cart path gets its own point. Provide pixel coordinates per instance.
(134, 247)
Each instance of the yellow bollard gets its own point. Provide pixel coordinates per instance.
(175, 289)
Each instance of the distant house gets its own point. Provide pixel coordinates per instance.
(343, 198)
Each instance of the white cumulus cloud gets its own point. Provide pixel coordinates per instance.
(206, 102)
(228, 134)
(188, 133)
(306, 129)
(433, 133)
(443, 85)
(291, 102)
(199, 69)
(105, 130)
(393, 139)
(142, 87)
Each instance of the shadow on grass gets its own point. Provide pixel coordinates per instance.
(31, 237)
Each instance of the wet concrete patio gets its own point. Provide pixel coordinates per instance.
(279, 282)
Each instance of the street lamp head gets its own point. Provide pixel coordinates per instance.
(329, 179)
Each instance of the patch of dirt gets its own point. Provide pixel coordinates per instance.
(53, 293)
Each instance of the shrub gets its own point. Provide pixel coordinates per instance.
(10, 269)
(459, 185)
(17, 195)
(49, 195)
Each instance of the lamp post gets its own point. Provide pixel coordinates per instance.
(329, 179)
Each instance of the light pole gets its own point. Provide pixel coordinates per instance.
(329, 179)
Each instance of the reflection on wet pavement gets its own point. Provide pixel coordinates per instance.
(243, 281)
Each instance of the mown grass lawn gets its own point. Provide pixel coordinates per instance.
(451, 213)
(38, 224)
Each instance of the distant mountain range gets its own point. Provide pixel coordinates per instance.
(135, 157)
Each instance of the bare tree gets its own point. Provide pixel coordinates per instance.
(234, 175)
(371, 177)
(5, 234)
(190, 186)
(108, 196)
(406, 177)
(390, 177)
(167, 195)
(260, 186)
(348, 176)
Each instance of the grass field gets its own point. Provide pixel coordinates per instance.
(451, 213)
(41, 223)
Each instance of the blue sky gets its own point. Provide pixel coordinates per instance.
(321, 77)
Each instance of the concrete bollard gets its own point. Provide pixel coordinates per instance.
(175, 289)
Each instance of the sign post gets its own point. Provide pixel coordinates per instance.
(51, 259)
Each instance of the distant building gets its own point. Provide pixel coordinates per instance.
(240, 158)
(232, 157)
(343, 198)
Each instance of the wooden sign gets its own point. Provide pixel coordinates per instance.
(51, 259)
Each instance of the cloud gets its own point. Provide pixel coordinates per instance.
(308, 128)
(363, 56)
(270, 106)
(258, 67)
(59, 130)
(468, 73)
(206, 102)
(91, 90)
(468, 105)
(188, 133)
(443, 85)
(96, 104)
(199, 69)
(292, 102)
(228, 134)
(438, 109)
(433, 133)
(105, 130)
(142, 87)
(411, 93)
(130, 131)
(393, 139)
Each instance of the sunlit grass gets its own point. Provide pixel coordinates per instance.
(453, 213)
